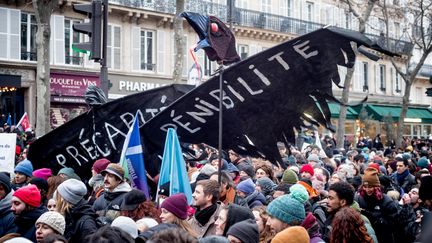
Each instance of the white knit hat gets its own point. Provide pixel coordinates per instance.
(54, 220)
(127, 225)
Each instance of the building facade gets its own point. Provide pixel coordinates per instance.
(141, 51)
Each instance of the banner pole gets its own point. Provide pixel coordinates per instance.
(220, 123)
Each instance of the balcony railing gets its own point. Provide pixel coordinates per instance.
(251, 18)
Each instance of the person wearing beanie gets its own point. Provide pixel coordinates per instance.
(174, 211)
(7, 224)
(287, 210)
(307, 171)
(42, 185)
(244, 231)
(68, 173)
(97, 180)
(43, 173)
(265, 186)
(49, 223)
(294, 234)
(214, 239)
(23, 171)
(281, 189)
(289, 177)
(246, 171)
(136, 206)
(127, 225)
(108, 204)
(379, 208)
(248, 195)
(230, 215)
(313, 160)
(26, 205)
(79, 216)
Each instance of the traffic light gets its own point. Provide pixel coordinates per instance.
(93, 28)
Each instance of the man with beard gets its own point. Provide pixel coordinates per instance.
(377, 206)
(205, 200)
(108, 204)
(340, 195)
(26, 205)
(7, 224)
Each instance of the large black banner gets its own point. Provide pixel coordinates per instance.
(264, 97)
(100, 132)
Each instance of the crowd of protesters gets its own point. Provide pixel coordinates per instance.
(370, 193)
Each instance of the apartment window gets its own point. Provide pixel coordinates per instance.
(286, 8)
(397, 84)
(396, 30)
(243, 51)
(266, 6)
(70, 37)
(146, 50)
(347, 20)
(28, 37)
(114, 47)
(382, 77)
(365, 76)
(309, 11)
(207, 66)
(10, 34)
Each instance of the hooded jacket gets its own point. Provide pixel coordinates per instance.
(7, 224)
(235, 214)
(26, 222)
(108, 204)
(80, 222)
(254, 199)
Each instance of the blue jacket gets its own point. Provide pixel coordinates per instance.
(7, 224)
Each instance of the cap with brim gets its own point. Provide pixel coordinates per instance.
(132, 199)
(111, 171)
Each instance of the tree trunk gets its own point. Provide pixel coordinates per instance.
(179, 43)
(340, 133)
(404, 110)
(43, 11)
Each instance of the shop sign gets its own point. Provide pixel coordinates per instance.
(71, 84)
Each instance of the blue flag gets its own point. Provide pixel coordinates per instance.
(173, 167)
(132, 159)
(9, 120)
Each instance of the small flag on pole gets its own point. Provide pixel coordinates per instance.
(132, 159)
(173, 167)
(9, 120)
(24, 123)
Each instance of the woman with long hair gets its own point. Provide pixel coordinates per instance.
(79, 215)
(261, 217)
(174, 211)
(349, 227)
(53, 183)
(136, 206)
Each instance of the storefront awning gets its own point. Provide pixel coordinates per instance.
(7, 80)
(380, 111)
(335, 110)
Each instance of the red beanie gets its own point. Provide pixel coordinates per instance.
(375, 166)
(30, 195)
(307, 168)
(100, 165)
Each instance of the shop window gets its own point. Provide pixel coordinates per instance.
(427, 130)
(28, 37)
(407, 130)
(70, 37)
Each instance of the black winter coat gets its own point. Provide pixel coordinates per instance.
(7, 218)
(80, 222)
(382, 214)
(26, 222)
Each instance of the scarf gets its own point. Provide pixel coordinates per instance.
(401, 177)
(204, 215)
(229, 196)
